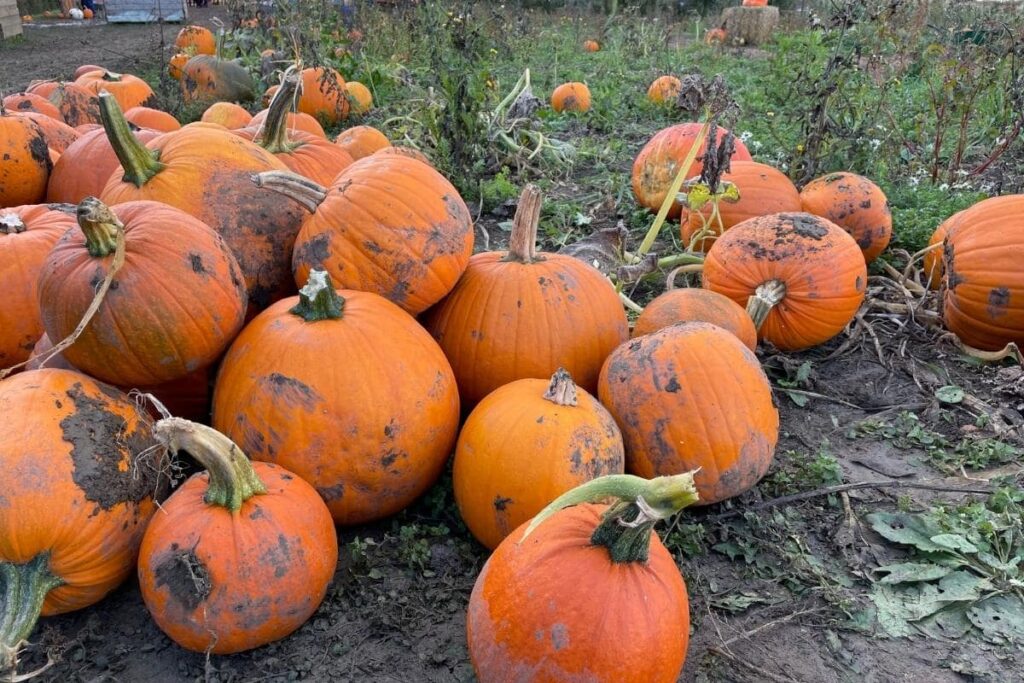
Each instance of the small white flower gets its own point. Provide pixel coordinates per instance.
(746, 135)
(875, 143)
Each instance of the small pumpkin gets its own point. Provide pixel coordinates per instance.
(524, 313)
(75, 503)
(297, 121)
(755, 3)
(196, 40)
(85, 69)
(370, 439)
(388, 225)
(715, 36)
(268, 95)
(664, 90)
(856, 205)
(932, 264)
(591, 45)
(692, 396)
(179, 302)
(27, 233)
(227, 114)
(524, 445)
(571, 97)
(85, 166)
(693, 304)
(21, 102)
(206, 78)
(129, 91)
(323, 95)
(154, 119)
(983, 302)
(361, 141)
(176, 65)
(77, 105)
(657, 164)
(801, 277)
(537, 604)
(27, 165)
(87, 13)
(359, 96)
(238, 530)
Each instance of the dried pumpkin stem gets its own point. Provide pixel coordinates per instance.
(522, 246)
(100, 225)
(11, 224)
(140, 163)
(301, 190)
(23, 588)
(562, 390)
(274, 138)
(318, 299)
(232, 477)
(765, 298)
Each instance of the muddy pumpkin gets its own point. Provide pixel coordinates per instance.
(571, 97)
(153, 119)
(74, 505)
(856, 205)
(77, 105)
(21, 102)
(370, 438)
(693, 304)
(196, 40)
(324, 96)
(361, 141)
(85, 166)
(240, 555)
(526, 444)
(801, 277)
(664, 90)
(58, 135)
(129, 91)
(206, 78)
(26, 168)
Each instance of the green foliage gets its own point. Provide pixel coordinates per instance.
(796, 472)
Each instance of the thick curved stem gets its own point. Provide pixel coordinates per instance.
(765, 298)
(11, 224)
(232, 477)
(139, 163)
(303, 191)
(318, 299)
(275, 129)
(23, 588)
(522, 246)
(562, 390)
(100, 225)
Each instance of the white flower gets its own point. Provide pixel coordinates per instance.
(875, 143)
(746, 135)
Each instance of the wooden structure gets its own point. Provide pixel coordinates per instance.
(10, 19)
(145, 11)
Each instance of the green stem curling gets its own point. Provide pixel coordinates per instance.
(140, 163)
(23, 589)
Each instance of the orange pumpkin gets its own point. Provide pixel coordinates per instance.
(42, 88)
(297, 121)
(801, 277)
(86, 68)
(129, 91)
(715, 36)
(388, 225)
(526, 444)
(658, 163)
(154, 119)
(856, 205)
(664, 90)
(371, 440)
(85, 166)
(588, 594)
(755, 3)
(27, 233)
(77, 105)
(763, 190)
(984, 299)
(524, 313)
(205, 78)
(268, 95)
(359, 96)
(76, 502)
(87, 13)
(179, 302)
(933, 268)
(240, 555)
(21, 102)
(323, 95)
(58, 134)
(361, 141)
(196, 40)
(227, 114)
(26, 164)
(591, 45)
(176, 65)
(572, 97)
(692, 304)
(692, 395)
(207, 173)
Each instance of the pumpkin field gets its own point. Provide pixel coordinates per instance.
(530, 342)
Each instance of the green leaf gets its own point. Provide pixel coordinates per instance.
(697, 196)
(954, 542)
(803, 373)
(1000, 618)
(906, 529)
(730, 192)
(799, 399)
(737, 602)
(950, 394)
(910, 572)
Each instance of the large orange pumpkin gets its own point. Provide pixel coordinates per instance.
(361, 141)
(179, 299)
(389, 225)
(590, 594)
(207, 173)
(26, 164)
(129, 91)
(76, 497)
(77, 105)
(240, 555)
(763, 190)
(85, 166)
(370, 438)
(27, 233)
(227, 114)
(984, 298)
(154, 119)
(755, 3)
(932, 264)
(801, 277)
(21, 102)
(574, 97)
(693, 304)
(526, 444)
(324, 96)
(297, 121)
(196, 40)
(658, 163)
(664, 90)
(205, 78)
(524, 313)
(856, 205)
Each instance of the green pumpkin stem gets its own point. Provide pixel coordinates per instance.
(232, 477)
(626, 527)
(765, 298)
(522, 245)
(562, 390)
(303, 191)
(319, 300)
(274, 137)
(23, 588)
(100, 225)
(140, 164)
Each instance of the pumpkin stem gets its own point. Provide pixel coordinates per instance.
(139, 163)
(100, 225)
(303, 191)
(626, 527)
(23, 588)
(562, 390)
(522, 245)
(232, 477)
(112, 76)
(11, 224)
(318, 300)
(765, 297)
(275, 129)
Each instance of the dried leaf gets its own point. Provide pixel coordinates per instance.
(1000, 618)
(910, 572)
(602, 249)
(628, 274)
(906, 529)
